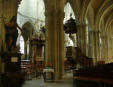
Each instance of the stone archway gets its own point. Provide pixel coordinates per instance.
(31, 15)
(27, 30)
(27, 33)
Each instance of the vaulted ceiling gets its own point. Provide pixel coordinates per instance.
(98, 12)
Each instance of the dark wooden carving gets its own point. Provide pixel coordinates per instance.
(12, 62)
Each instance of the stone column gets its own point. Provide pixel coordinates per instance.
(55, 37)
(110, 49)
(91, 44)
(61, 42)
(25, 49)
(81, 36)
(84, 45)
(104, 48)
(1, 31)
(95, 43)
(91, 51)
(9, 9)
(30, 50)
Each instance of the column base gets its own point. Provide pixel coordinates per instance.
(58, 76)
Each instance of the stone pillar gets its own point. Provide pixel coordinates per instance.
(91, 44)
(1, 31)
(30, 50)
(55, 37)
(84, 45)
(95, 42)
(61, 42)
(81, 36)
(79, 29)
(9, 9)
(104, 48)
(110, 49)
(25, 49)
(97, 45)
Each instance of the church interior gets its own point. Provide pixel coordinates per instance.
(56, 43)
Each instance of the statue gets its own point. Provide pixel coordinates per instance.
(11, 34)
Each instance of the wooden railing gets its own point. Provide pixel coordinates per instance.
(101, 74)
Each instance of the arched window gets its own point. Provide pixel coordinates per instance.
(68, 10)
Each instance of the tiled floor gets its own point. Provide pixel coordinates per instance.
(39, 82)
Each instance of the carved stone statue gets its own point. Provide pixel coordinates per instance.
(11, 34)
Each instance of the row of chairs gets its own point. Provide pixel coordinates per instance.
(34, 70)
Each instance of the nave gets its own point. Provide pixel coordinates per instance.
(47, 34)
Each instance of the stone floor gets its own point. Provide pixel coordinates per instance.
(39, 82)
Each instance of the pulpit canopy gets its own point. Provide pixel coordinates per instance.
(70, 26)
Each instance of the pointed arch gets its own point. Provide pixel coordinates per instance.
(27, 30)
(68, 10)
(102, 11)
(84, 10)
(108, 22)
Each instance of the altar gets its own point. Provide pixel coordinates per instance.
(48, 74)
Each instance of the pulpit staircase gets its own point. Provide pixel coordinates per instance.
(76, 54)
